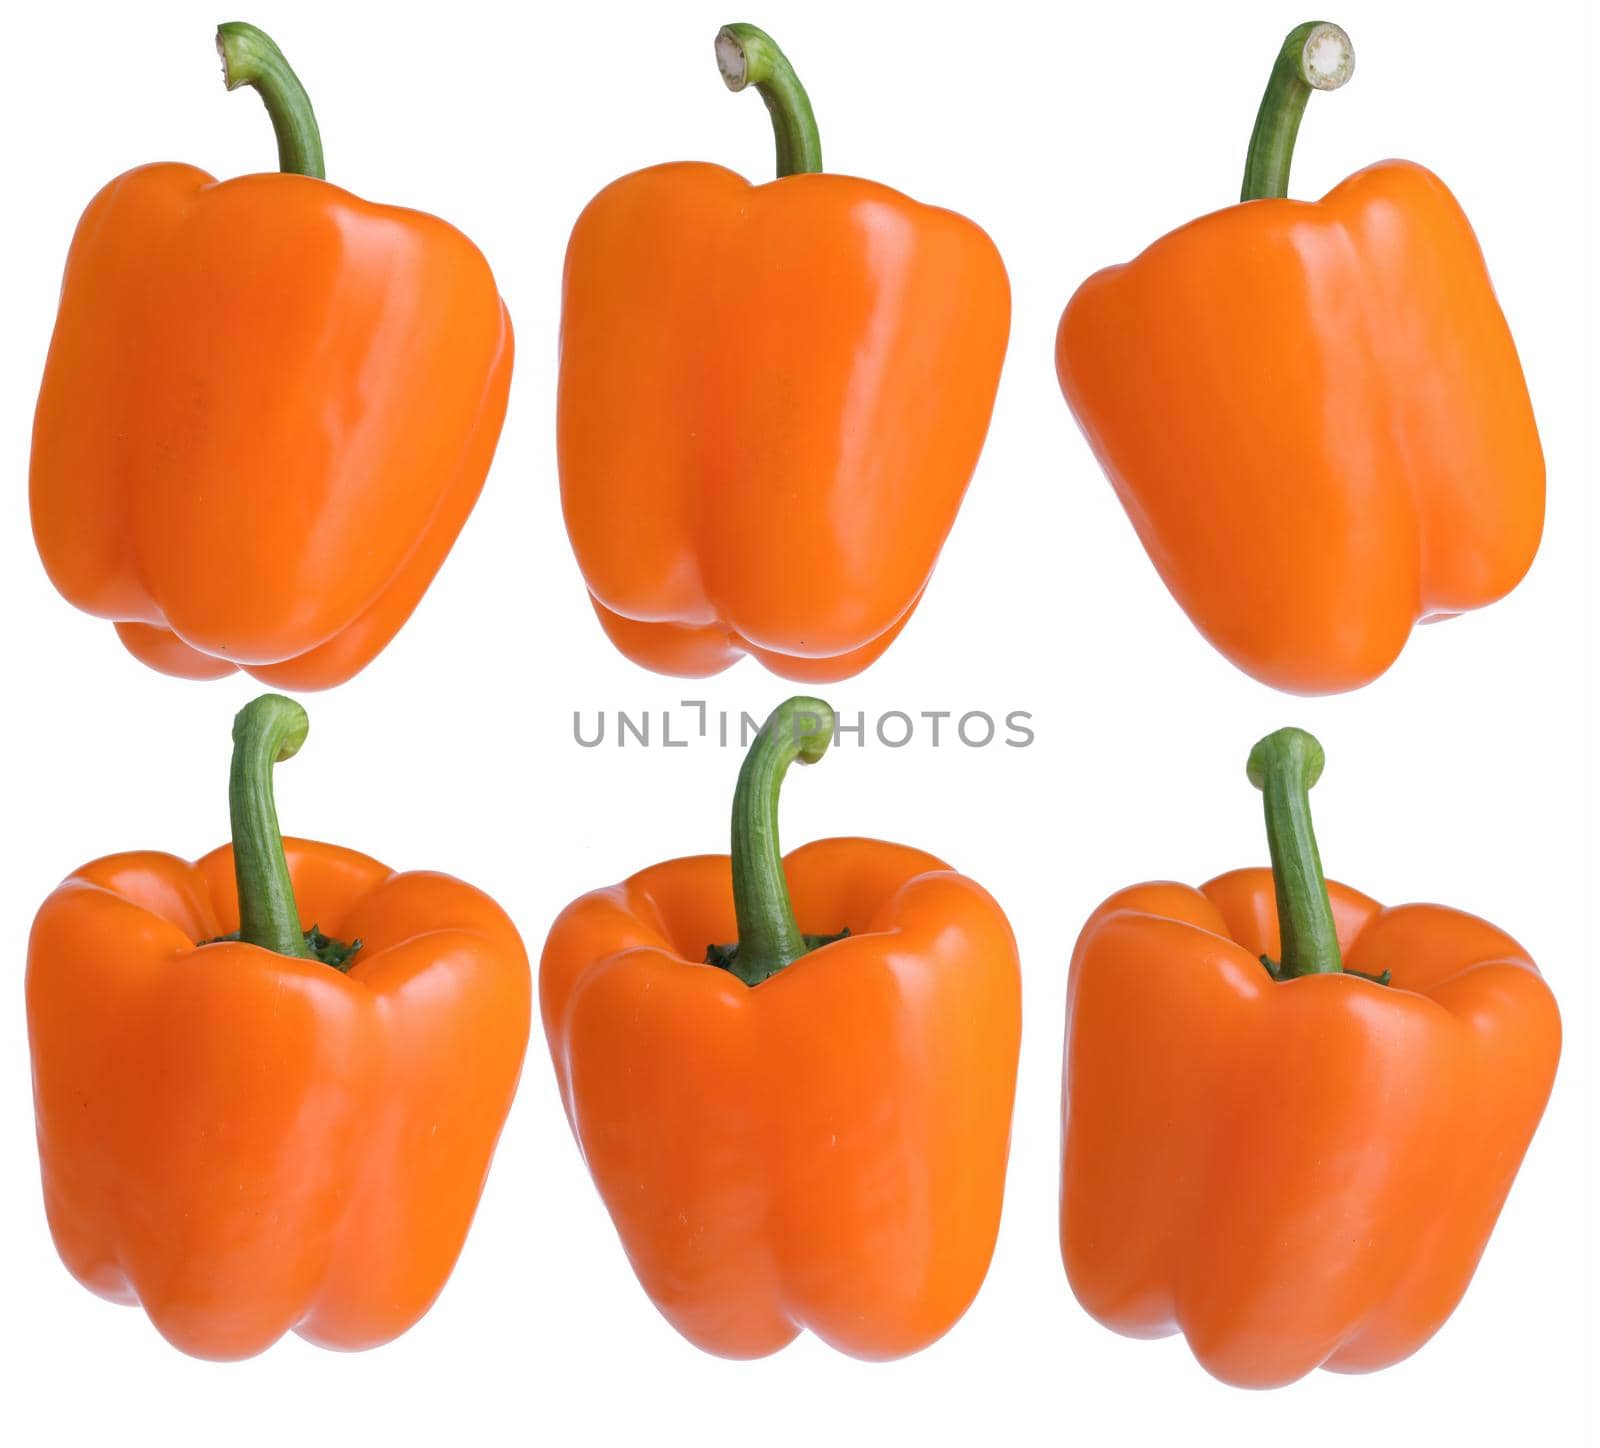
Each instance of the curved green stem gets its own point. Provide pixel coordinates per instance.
(769, 937)
(1284, 766)
(267, 731)
(749, 56)
(1315, 56)
(249, 57)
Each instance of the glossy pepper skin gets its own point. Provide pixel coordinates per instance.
(771, 401)
(1315, 417)
(267, 410)
(824, 1149)
(247, 1143)
(1294, 1172)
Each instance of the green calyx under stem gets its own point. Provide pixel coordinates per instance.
(726, 957)
(1315, 56)
(1277, 972)
(1284, 766)
(746, 56)
(340, 954)
(249, 57)
(800, 729)
(267, 731)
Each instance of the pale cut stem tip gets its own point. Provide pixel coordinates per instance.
(1328, 59)
(731, 61)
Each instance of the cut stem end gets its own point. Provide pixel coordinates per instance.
(1328, 59)
(731, 61)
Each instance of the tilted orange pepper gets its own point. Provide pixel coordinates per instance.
(268, 408)
(771, 399)
(1313, 413)
(244, 1124)
(798, 1130)
(1291, 1145)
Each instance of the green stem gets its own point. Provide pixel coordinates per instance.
(249, 57)
(1284, 766)
(1315, 56)
(267, 731)
(748, 56)
(769, 936)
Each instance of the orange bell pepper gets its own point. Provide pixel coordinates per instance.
(1313, 413)
(771, 399)
(267, 410)
(248, 1126)
(798, 1130)
(1291, 1144)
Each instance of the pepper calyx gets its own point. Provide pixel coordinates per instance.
(340, 954)
(1277, 972)
(726, 957)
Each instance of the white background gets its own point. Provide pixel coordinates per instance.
(1075, 136)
